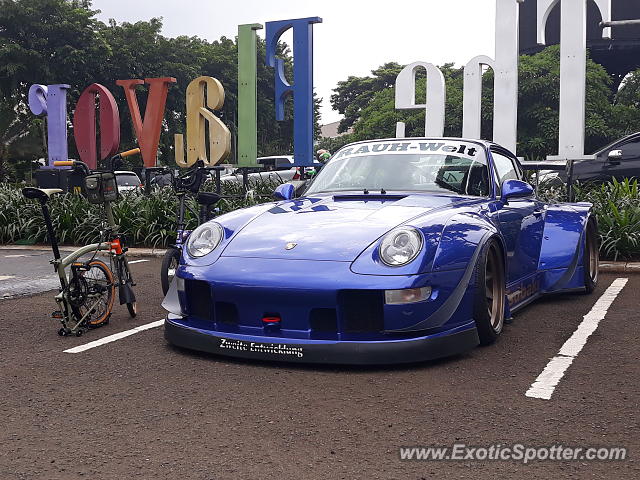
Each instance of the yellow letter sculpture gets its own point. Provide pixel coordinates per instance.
(200, 91)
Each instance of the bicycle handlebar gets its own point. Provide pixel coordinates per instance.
(191, 180)
(74, 164)
(128, 153)
(80, 165)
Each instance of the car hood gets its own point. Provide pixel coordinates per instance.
(331, 228)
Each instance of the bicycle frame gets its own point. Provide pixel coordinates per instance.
(69, 313)
(181, 232)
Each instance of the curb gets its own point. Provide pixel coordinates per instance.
(605, 266)
(620, 267)
(131, 252)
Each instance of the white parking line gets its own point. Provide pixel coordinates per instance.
(548, 380)
(6, 277)
(114, 337)
(137, 261)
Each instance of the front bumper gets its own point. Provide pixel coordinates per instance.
(384, 352)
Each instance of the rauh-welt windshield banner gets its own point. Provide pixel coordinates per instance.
(460, 148)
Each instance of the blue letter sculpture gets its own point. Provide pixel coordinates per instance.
(52, 101)
(302, 88)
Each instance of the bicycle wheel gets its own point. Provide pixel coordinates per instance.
(98, 296)
(170, 263)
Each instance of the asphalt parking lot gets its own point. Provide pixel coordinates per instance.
(139, 408)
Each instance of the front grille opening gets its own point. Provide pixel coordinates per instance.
(226, 313)
(362, 311)
(198, 298)
(323, 320)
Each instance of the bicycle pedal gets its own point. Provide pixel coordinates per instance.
(57, 314)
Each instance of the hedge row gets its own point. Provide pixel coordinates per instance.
(150, 220)
(145, 220)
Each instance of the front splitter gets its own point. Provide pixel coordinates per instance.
(341, 352)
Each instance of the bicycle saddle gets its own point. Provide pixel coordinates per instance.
(40, 193)
(207, 198)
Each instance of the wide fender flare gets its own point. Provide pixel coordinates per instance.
(563, 242)
(462, 236)
(460, 246)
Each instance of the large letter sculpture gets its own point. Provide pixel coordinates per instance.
(505, 68)
(436, 96)
(302, 88)
(147, 131)
(84, 125)
(573, 68)
(51, 101)
(247, 95)
(204, 92)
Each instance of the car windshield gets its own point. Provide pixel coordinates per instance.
(127, 179)
(429, 166)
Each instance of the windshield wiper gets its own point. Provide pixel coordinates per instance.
(382, 191)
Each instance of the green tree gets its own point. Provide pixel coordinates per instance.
(368, 104)
(62, 41)
(41, 41)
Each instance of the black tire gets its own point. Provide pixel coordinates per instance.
(590, 260)
(489, 296)
(101, 293)
(170, 262)
(133, 309)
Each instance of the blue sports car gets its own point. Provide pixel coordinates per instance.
(399, 250)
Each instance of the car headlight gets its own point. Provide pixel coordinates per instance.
(400, 246)
(204, 239)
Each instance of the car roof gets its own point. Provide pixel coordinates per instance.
(288, 157)
(127, 172)
(620, 141)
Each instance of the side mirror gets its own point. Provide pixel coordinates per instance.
(285, 191)
(615, 156)
(515, 189)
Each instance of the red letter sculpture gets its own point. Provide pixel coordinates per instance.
(148, 131)
(84, 125)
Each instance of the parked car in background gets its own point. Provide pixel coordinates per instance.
(619, 160)
(128, 181)
(275, 169)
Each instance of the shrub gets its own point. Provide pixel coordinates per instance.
(145, 220)
(617, 208)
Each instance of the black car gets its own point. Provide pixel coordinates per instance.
(619, 160)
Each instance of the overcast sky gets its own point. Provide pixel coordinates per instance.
(354, 38)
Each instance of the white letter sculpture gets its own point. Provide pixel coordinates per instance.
(436, 97)
(505, 89)
(573, 68)
(573, 74)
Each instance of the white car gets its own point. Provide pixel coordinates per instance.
(276, 169)
(128, 181)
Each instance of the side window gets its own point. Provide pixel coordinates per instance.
(283, 164)
(505, 168)
(631, 150)
(268, 163)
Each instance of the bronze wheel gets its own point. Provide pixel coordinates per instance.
(489, 301)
